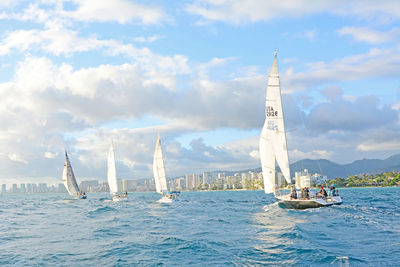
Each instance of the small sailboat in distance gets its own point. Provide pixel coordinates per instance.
(69, 181)
(112, 177)
(160, 177)
(273, 148)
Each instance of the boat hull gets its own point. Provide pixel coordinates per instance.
(117, 198)
(308, 203)
(170, 197)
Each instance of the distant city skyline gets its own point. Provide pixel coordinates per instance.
(77, 74)
(190, 182)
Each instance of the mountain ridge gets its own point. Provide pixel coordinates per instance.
(333, 170)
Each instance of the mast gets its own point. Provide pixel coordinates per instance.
(273, 146)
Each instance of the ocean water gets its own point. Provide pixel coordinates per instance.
(232, 228)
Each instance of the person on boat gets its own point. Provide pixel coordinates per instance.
(293, 195)
(322, 192)
(332, 191)
(306, 193)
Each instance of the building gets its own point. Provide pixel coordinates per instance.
(14, 188)
(180, 183)
(192, 181)
(34, 188)
(89, 186)
(302, 179)
(22, 188)
(42, 188)
(4, 188)
(131, 185)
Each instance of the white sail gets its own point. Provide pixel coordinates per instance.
(111, 171)
(68, 178)
(273, 145)
(159, 169)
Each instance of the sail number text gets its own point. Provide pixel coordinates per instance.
(270, 112)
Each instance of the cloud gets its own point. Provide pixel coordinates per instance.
(251, 11)
(50, 155)
(376, 63)
(314, 154)
(149, 39)
(362, 34)
(340, 114)
(389, 145)
(16, 158)
(309, 35)
(121, 11)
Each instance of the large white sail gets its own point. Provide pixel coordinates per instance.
(68, 178)
(159, 169)
(111, 171)
(273, 145)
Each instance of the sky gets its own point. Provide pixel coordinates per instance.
(76, 75)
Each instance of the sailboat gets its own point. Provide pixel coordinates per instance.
(69, 181)
(112, 177)
(273, 148)
(160, 178)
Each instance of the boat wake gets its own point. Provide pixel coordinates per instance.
(270, 206)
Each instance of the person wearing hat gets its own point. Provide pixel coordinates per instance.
(322, 192)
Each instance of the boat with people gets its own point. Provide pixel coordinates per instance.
(112, 177)
(160, 177)
(273, 149)
(69, 180)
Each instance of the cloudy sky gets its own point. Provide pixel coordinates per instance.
(77, 74)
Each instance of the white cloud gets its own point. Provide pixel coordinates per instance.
(382, 63)
(149, 39)
(250, 11)
(50, 155)
(363, 34)
(121, 11)
(16, 158)
(309, 35)
(393, 145)
(296, 154)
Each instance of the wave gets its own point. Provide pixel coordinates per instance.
(101, 210)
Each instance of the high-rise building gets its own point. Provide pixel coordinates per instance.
(28, 188)
(207, 176)
(14, 188)
(188, 182)
(42, 188)
(22, 188)
(302, 179)
(180, 183)
(89, 186)
(35, 188)
(131, 185)
(3, 188)
(196, 181)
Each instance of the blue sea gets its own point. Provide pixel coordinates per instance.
(231, 228)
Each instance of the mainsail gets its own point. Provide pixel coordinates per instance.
(159, 169)
(68, 178)
(273, 145)
(111, 171)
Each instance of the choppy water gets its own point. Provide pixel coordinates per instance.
(206, 228)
